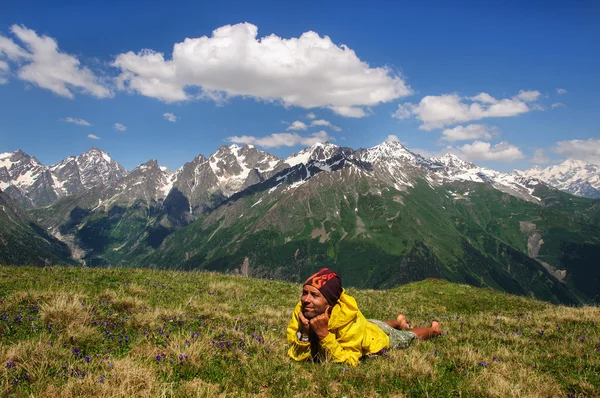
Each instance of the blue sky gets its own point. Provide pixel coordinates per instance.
(505, 85)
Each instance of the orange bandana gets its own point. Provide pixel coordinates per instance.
(328, 283)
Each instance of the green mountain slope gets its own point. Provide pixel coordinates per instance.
(377, 236)
(22, 241)
(354, 217)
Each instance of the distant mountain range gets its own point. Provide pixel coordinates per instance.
(381, 216)
(572, 176)
(34, 185)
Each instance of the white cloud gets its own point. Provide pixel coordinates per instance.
(478, 150)
(311, 115)
(404, 111)
(93, 137)
(586, 150)
(350, 111)
(297, 125)
(484, 98)
(40, 62)
(4, 69)
(392, 137)
(539, 157)
(465, 133)
(321, 122)
(438, 111)
(120, 127)
(309, 71)
(561, 91)
(170, 117)
(558, 105)
(80, 122)
(529, 96)
(282, 139)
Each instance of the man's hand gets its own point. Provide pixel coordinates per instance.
(319, 324)
(304, 324)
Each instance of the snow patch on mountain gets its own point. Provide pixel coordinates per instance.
(573, 176)
(456, 169)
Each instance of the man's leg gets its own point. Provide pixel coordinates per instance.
(427, 333)
(399, 323)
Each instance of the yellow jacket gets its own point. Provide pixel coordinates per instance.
(350, 336)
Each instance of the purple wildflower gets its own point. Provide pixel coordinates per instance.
(10, 364)
(484, 364)
(101, 380)
(88, 359)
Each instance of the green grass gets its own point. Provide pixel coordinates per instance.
(133, 332)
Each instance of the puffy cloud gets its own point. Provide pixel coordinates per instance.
(529, 96)
(350, 111)
(4, 69)
(484, 98)
(282, 139)
(561, 91)
(470, 132)
(120, 127)
(311, 115)
(309, 71)
(438, 111)
(479, 150)
(404, 111)
(558, 105)
(41, 62)
(170, 117)
(586, 150)
(393, 137)
(539, 157)
(93, 137)
(321, 122)
(80, 122)
(297, 125)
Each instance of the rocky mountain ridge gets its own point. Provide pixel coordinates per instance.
(34, 185)
(573, 176)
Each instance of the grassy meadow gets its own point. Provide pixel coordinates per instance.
(109, 332)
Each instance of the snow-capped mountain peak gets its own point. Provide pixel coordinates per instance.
(34, 184)
(573, 176)
(319, 151)
(453, 161)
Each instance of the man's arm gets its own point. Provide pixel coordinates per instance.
(299, 350)
(347, 347)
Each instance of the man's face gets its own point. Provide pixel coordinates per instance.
(313, 302)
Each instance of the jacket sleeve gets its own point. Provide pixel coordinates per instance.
(347, 349)
(299, 351)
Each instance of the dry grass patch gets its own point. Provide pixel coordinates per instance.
(227, 288)
(215, 310)
(136, 290)
(65, 311)
(198, 388)
(127, 379)
(127, 304)
(154, 317)
(18, 299)
(513, 380)
(34, 357)
(415, 364)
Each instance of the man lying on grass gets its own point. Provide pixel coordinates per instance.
(327, 325)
